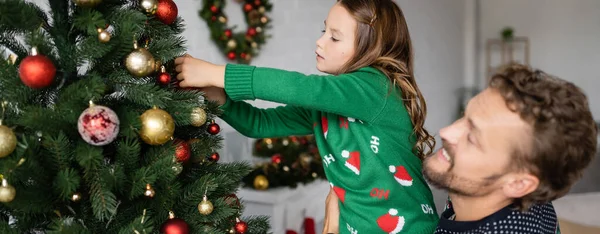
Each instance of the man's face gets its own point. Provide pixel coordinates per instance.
(478, 148)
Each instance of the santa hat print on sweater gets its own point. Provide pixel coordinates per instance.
(401, 175)
(390, 222)
(340, 192)
(353, 162)
(324, 125)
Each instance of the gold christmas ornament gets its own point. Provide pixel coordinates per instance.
(8, 140)
(261, 182)
(205, 207)
(12, 59)
(258, 29)
(103, 35)
(222, 19)
(149, 6)
(264, 19)
(149, 191)
(262, 9)
(231, 44)
(248, 57)
(87, 3)
(140, 62)
(7, 192)
(254, 45)
(157, 126)
(76, 197)
(198, 117)
(177, 168)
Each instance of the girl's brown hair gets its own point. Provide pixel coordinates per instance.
(383, 42)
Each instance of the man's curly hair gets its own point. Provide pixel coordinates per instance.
(564, 132)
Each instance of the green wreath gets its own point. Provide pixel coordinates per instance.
(239, 46)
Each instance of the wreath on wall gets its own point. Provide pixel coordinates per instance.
(238, 46)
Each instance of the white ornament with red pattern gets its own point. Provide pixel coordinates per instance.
(98, 125)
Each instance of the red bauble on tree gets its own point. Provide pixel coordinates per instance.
(227, 33)
(241, 227)
(213, 128)
(166, 11)
(37, 71)
(251, 32)
(163, 78)
(257, 2)
(248, 7)
(98, 125)
(214, 157)
(276, 158)
(231, 55)
(214, 9)
(174, 226)
(182, 151)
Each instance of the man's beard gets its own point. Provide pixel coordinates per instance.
(452, 183)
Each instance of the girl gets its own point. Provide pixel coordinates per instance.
(367, 115)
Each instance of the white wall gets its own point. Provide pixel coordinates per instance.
(437, 30)
(564, 35)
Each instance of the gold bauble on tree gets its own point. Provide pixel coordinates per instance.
(140, 62)
(205, 207)
(7, 192)
(198, 117)
(261, 182)
(8, 140)
(231, 44)
(157, 126)
(149, 6)
(87, 3)
(103, 35)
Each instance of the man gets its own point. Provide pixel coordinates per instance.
(523, 142)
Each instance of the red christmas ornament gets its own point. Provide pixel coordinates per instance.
(98, 125)
(257, 2)
(232, 200)
(276, 158)
(163, 78)
(247, 7)
(214, 9)
(182, 151)
(251, 32)
(37, 71)
(213, 128)
(243, 55)
(241, 227)
(214, 157)
(213, 18)
(231, 55)
(174, 226)
(227, 33)
(166, 11)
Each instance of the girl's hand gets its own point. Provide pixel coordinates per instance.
(215, 94)
(332, 214)
(198, 73)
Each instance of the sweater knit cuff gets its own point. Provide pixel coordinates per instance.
(238, 81)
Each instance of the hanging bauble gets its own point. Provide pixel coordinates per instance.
(140, 62)
(157, 126)
(257, 2)
(227, 33)
(231, 44)
(214, 157)
(182, 151)
(103, 35)
(149, 6)
(198, 117)
(213, 128)
(222, 19)
(98, 125)
(241, 227)
(261, 182)
(76, 197)
(87, 3)
(276, 158)
(248, 7)
(214, 9)
(251, 32)
(205, 207)
(163, 78)
(36, 70)
(174, 225)
(166, 11)
(262, 9)
(149, 191)
(231, 55)
(8, 140)
(7, 192)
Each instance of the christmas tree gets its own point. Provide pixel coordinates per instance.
(290, 161)
(96, 136)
